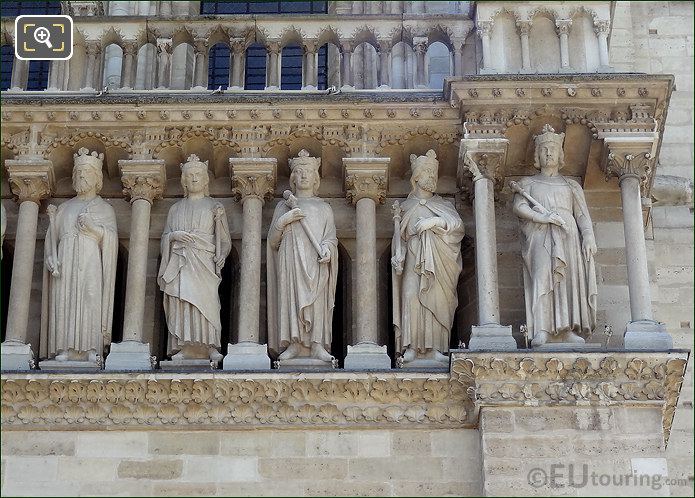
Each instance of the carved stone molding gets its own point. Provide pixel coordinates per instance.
(573, 379)
(229, 400)
(366, 177)
(253, 177)
(143, 178)
(31, 178)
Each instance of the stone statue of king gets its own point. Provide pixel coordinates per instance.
(558, 247)
(79, 275)
(426, 260)
(195, 243)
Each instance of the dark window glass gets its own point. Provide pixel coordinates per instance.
(38, 75)
(262, 7)
(14, 9)
(323, 68)
(255, 67)
(291, 68)
(6, 66)
(218, 67)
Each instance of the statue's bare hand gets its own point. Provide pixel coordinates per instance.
(86, 225)
(588, 248)
(182, 236)
(428, 224)
(326, 256)
(397, 264)
(291, 216)
(52, 266)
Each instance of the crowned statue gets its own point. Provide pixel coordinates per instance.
(558, 248)
(194, 245)
(302, 268)
(79, 276)
(426, 261)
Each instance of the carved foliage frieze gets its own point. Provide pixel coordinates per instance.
(212, 401)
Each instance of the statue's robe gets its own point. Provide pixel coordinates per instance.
(188, 275)
(301, 291)
(77, 306)
(559, 282)
(424, 295)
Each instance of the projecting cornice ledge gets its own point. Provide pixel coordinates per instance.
(547, 379)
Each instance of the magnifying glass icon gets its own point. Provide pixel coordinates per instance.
(42, 35)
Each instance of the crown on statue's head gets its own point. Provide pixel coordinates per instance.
(303, 159)
(92, 159)
(548, 135)
(429, 161)
(194, 161)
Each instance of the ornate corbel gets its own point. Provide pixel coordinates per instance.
(629, 156)
(30, 178)
(482, 158)
(143, 178)
(253, 177)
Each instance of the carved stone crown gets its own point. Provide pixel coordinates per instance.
(194, 161)
(549, 135)
(92, 159)
(304, 159)
(429, 161)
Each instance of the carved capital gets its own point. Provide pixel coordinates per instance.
(420, 44)
(238, 45)
(629, 156)
(563, 26)
(30, 179)
(164, 45)
(484, 28)
(384, 46)
(524, 26)
(483, 158)
(93, 49)
(130, 48)
(253, 177)
(366, 177)
(310, 46)
(273, 48)
(143, 178)
(200, 45)
(602, 26)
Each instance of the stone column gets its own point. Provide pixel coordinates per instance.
(418, 7)
(346, 65)
(524, 30)
(601, 29)
(420, 45)
(311, 79)
(458, 56)
(92, 72)
(365, 185)
(630, 159)
(273, 70)
(384, 73)
(236, 77)
(200, 71)
(483, 159)
(31, 180)
(54, 75)
(484, 31)
(563, 29)
(20, 74)
(143, 182)
(165, 7)
(164, 51)
(130, 66)
(253, 181)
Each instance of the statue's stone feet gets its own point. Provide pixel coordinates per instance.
(292, 351)
(92, 355)
(61, 356)
(437, 356)
(573, 338)
(178, 356)
(539, 338)
(409, 355)
(215, 356)
(319, 352)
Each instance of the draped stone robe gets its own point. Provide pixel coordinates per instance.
(77, 306)
(424, 295)
(301, 291)
(559, 283)
(188, 276)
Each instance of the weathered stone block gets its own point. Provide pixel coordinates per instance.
(37, 443)
(243, 443)
(331, 443)
(494, 420)
(411, 443)
(374, 444)
(458, 443)
(220, 469)
(317, 468)
(150, 469)
(184, 443)
(87, 469)
(396, 468)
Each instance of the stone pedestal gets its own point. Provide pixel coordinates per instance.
(423, 365)
(367, 356)
(305, 364)
(71, 366)
(201, 365)
(647, 334)
(130, 355)
(492, 337)
(16, 356)
(246, 356)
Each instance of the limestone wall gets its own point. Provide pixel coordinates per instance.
(242, 463)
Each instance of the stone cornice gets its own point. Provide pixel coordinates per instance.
(185, 401)
(366, 177)
(253, 177)
(571, 378)
(30, 178)
(143, 178)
